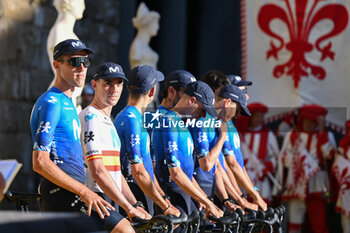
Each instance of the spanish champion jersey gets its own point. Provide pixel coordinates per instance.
(232, 145)
(204, 138)
(55, 129)
(99, 140)
(135, 142)
(177, 147)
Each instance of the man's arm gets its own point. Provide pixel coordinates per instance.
(232, 191)
(110, 188)
(145, 182)
(244, 182)
(180, 178)
(43, 165)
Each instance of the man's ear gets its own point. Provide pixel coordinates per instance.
(152, 92)
(93, 84)
(227, 103)
(171, 92)
(191, 100)
(55, 64)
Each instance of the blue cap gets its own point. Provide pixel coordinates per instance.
(179, 78)
(204, 94)
(70, 46)
(238, 81)
(144, 77)
(235, 94)
(109, 70)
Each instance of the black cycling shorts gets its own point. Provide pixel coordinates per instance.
(57, 199)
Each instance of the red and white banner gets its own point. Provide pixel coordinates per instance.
(297, 52)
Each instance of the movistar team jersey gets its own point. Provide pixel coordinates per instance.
(204, 138)
(135, 143)
(55, 128)
(177, 147)
(233, 145)
(100, 140)
(156, 146)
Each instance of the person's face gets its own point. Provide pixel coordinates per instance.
(73, 76)
(197, 110)
(309, 125)
(108, 91)
(178, 94)
(238, 111)
(245, 91)
(256, 119)
(227, 110)
(78, 7)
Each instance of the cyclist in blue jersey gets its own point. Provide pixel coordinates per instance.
(135, 155)
(175, 84)
(236, 163)
(176, 163)
(209, 144)
(101, 145)
(57, 152)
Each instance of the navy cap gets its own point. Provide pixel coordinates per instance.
(70, 46)
(179, 78)
(204, 94)
(238, 81)
(109, 70)
(144, 77)
(235, 94)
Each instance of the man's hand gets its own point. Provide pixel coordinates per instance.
(92, 200)
(213, 210)
(246, 204)
(230, 206)
(172, 211)
(142, 210)
(260, 202)
(136, 213)
(223, 129)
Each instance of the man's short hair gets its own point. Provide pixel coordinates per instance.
(215, 79)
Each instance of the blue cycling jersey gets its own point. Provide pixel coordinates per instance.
(156, 146)
(134, 138)
(204, 138)
(233, 145)
(177, 147)
(55, 128)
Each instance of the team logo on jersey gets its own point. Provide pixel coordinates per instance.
(88, 136)
(202, 137)
(172, 147)
(43, 127)
(135, 140)
(52, 100)
(90, 116)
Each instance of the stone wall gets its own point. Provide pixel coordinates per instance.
(25, 72)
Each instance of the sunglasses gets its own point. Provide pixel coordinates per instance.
(77, 61)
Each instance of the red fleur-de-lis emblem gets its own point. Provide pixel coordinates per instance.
(299, 25)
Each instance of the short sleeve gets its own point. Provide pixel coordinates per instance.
(201, 142)
(171, 143)
(227, 148)
(90, 134)
(132, 135)
(48, 114)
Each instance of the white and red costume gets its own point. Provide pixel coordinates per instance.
(304, 155)
(341, 170)
(260, 150)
